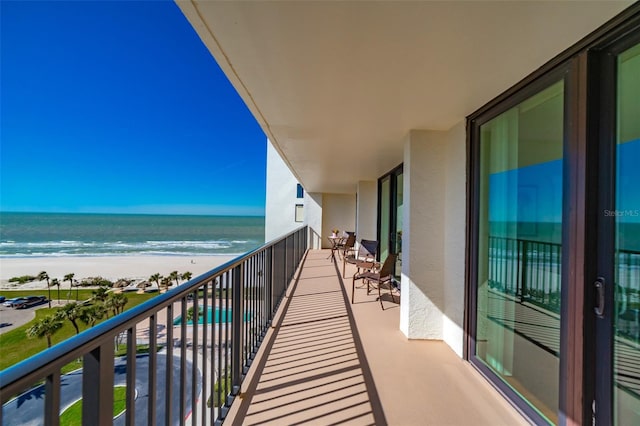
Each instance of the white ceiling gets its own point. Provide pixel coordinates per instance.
(337, 86)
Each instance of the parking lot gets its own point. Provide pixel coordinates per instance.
(11, 318)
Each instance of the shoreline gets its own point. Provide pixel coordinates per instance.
(136, 267)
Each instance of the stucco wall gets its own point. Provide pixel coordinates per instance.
(338, 211)
(367, 210)
(280, 197)
(422, 279)
(455, 237)
(433, 269)
(313, 218)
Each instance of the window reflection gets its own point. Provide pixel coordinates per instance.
(520, 236)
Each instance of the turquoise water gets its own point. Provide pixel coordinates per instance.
(53, 234)
(221, 316)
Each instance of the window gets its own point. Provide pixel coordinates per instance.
(299, 214)
(299, 191)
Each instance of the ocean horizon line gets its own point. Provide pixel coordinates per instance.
(131, 214)
(133, 254)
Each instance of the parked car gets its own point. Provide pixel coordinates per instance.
(31, 301)
(2, 299)
(12, 302)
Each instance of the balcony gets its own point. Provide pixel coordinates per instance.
(291, 349)
(326, 361)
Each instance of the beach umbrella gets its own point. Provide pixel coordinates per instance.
(144, 284)
(121, 283)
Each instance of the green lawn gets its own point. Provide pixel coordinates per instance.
(15, 346)
(72, 416)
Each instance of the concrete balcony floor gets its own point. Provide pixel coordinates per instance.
(326, 361)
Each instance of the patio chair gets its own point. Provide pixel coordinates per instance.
(377, 276)
(366, 252)
(347, 248)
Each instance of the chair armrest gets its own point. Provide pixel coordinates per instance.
(368, 265)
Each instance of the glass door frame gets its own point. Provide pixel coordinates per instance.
(586, 342)
(392, 175)
(604, 84)
(474, 127)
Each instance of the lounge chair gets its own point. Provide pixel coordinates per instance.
(377, 275)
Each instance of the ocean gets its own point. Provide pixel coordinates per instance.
(57, 234)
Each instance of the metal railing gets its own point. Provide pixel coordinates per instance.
(199, 340)
(531, 272)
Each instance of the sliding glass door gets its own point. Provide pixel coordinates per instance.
(554, 237)
(625, 259)
(390, 204)
(519, 247)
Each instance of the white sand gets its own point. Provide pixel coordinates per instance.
(109, 267)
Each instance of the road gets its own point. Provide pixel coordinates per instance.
(28, 408)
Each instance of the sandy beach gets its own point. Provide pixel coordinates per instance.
(109, 267)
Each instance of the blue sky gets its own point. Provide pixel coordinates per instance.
(117, 107)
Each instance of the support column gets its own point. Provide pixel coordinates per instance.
(424, 222)
(367, 210)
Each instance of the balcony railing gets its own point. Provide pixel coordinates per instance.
(530, 271)
(199, 340)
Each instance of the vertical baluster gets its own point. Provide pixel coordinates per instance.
(261, 293)
(510, 257)
(168, 403)
(628, 267)
(97, 385)
(236, 321)
(227, 334)
(205, 348)
(519, 268)
(244, 325)
(195, 329)
(254, 304)
(130, 412)
(153, 362)
(250, 337)
(503, 273)
(221, 320)
(269, 287)
(183, 359)
(51, 400)
(545, 277)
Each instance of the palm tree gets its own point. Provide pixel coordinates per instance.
(165, 283)
(91, 314)
(116, 303)
(187, 276)
(156, 278)
(69, 277)
(56, 282)
(101, 293)
(71, 312)
(120, 300)
(174, 276)
(45, 327)
(44, 276)
(76, 284)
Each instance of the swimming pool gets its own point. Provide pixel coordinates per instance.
(220, 316)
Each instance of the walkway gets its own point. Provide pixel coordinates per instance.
(329, 362)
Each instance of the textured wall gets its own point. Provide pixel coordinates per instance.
(338, 211)
(367, 210)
